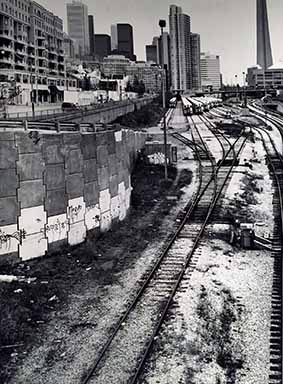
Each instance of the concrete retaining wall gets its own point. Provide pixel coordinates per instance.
(110, 113)
(56, 189)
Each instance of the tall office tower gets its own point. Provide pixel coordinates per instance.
(91, 34)
(180, 46)
(102, 45)
(151, 53)
(210, 71)
(195, 54)
(122, 42)
(264, 54)
(78, 30)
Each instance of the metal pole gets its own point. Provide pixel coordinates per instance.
(32, 96)
(164, 126)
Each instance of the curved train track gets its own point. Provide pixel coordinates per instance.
(128, 347)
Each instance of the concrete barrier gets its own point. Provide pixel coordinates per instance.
(57, 188)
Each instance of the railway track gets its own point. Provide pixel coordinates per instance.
(124, 355)
(275, 163)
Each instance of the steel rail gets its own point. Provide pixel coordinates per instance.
(144, 358)
(190, 208)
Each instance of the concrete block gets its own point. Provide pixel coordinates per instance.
(54, 177)
(30, 166)
(91, 193)
(127, 179)
(75, 185)
(119, 151)
(105, 221)
(128, 198)
(103, 178)
(77, 233)
(102, 155)
(33, 246)
(112, 164)
(118, 136)
(101, 139)
(8, 154)
(53, 154)
(92, 217)
(33, 220)
(122, 201)
(26, 143)
(56, 228)
(74, 161)
(9, 239)
(115, 207)
(72, 140)
(53, 139)
(8, 182)
(9, 210)
(113, 185)
(31, 193)
(56, 202)
(90, 170)
(7, 136)
(111, 142)
(104, 201)
(76, 210)
(88, 146)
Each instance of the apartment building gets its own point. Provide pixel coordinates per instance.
(31, 51)
(210, 71)
(180, 48)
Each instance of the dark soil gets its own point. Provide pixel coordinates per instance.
(27, 308)
(149, 115)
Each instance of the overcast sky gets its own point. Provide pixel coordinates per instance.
(227, 27)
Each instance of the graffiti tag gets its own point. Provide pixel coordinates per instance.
(73, 212)
(34, 136)
(5, 238)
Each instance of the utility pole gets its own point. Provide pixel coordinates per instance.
(162, 24)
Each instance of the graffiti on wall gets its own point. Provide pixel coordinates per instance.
(73, 212)
(6, 238)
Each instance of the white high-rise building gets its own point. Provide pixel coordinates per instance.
(210, 71)
(180, 37)
(78, 28)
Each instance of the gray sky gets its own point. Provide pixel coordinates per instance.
(227, 27)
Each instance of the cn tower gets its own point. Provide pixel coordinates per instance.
(264, 54)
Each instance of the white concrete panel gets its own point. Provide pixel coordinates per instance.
(32, 220)
(34, 245)
(76, 210)
(128, 197)
(77, 233)
(122, 190)
(9, 239)
(105, 223)
(122, 201)
(104, 200)
(118, 136)
(115, 207)
(57, 228)
(92, 217)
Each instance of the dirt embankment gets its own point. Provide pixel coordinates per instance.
(29, 306)
(148, 116)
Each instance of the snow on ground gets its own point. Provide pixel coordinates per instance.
(112, 300)
(210, 139)
(219, 328)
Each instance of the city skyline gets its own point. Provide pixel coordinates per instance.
(233, 24)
